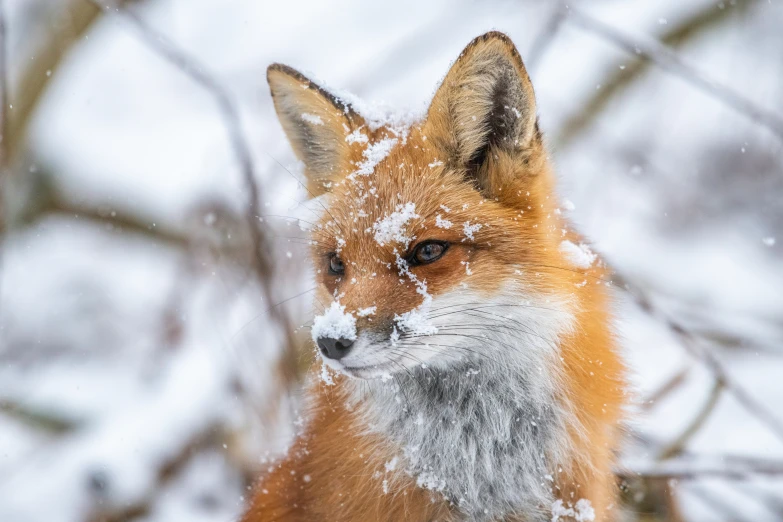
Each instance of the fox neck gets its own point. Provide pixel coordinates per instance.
(486, 432)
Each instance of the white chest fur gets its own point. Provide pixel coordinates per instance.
(487, 428)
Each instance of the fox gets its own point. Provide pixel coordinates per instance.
(469, 367)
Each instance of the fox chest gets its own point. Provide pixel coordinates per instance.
(485, 442)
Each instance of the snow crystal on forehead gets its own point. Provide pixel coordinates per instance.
(357, 136)
(579, 255)
(469, 230)
(442, 223)
(374, 153)
(392, 227)
(334, 323)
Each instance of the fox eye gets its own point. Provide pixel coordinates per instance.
(427, 252)
(336, 266)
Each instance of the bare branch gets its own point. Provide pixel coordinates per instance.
(211, 436)
(3, 102)
(287, 370)
(688, 469)
(619, 76)
(666, 59)
(4, 172)
(677, 445)
(691, 343)
(546, 36)
(51, 422)
(36, 75)
(671, 384)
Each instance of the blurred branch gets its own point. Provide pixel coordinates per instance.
(677, 445)
(48, 201)
(3, 106)
(674, 382)
(662, 56)
(211, 437)
(691, 343)
(688, 469)
(38, 73)
(723, 508)
(261, 260)
(47, 421)
(619, 77)
(3, 127)
(547, 35)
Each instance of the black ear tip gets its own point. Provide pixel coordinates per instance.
(496, 35)
(286, 70)
(491, 37)
(493, 40)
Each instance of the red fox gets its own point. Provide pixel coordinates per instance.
(470, 367)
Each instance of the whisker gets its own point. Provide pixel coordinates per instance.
(264, 312)
(304, 186)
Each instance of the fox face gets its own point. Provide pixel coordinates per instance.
(433, 235)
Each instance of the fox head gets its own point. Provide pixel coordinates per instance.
(433, 236)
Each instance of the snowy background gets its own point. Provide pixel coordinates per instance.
(141, 375)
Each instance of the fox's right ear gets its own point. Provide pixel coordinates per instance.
(316, 123)
(484, 108)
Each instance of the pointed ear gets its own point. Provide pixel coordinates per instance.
(315, 122)
(485, 104)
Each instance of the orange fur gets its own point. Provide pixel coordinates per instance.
(331, 471)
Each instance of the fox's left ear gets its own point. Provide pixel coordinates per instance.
(484, 106)
(315, 122)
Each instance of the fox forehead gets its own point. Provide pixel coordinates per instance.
(408, 196)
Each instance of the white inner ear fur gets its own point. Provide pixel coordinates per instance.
(483, 420)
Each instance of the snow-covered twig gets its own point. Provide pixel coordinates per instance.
(666, 59)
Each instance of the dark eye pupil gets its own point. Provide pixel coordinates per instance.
(336, 264)
(429, 252)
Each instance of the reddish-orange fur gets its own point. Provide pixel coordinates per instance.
(328, 474)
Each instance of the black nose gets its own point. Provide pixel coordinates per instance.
(334, 348)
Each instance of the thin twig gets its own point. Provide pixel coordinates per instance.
(671, 384)
(666, 59)
(686, 469)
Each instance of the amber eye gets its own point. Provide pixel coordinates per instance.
(336, 266)
(427, 252)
